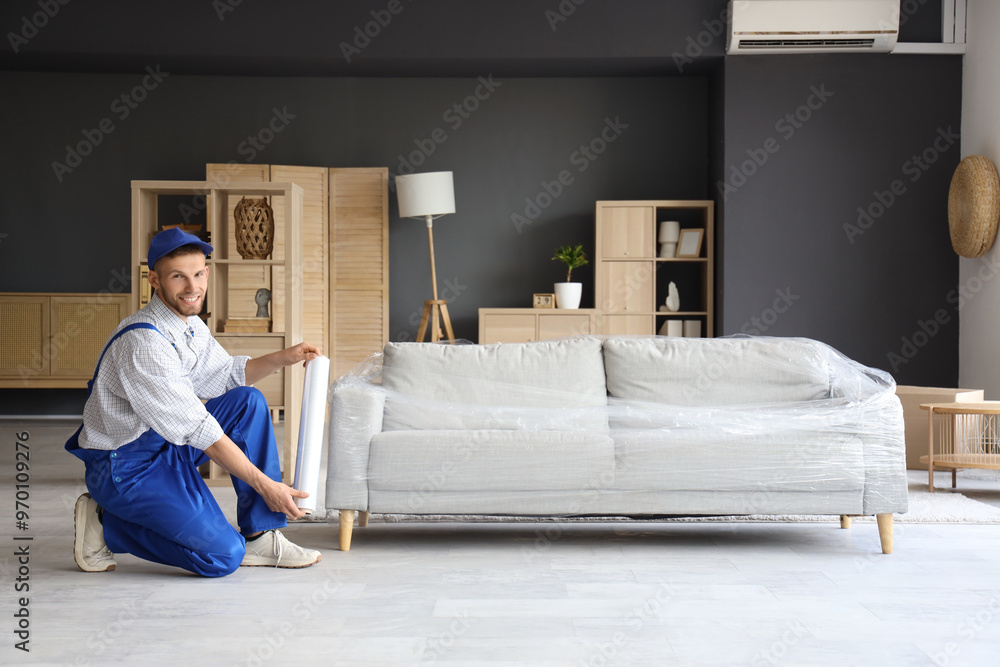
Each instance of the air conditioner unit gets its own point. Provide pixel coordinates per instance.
(812, 26)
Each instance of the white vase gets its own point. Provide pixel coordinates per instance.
(568, 295)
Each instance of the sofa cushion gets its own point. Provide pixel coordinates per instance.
(430, 461)
(716, 371)
(755, 463)
(519, 386)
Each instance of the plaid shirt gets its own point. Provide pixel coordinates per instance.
(148, 381)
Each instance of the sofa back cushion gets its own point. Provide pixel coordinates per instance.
(552, 385)
(716, 371)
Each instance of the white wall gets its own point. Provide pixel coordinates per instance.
(979, 317)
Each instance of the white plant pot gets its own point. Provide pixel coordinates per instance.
(568, 295)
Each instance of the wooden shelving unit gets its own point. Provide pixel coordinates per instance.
(230, 278)
(631, 280)
(524, 325)
(53, 340)
(345, 262)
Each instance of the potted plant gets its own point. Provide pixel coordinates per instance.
(568, 293)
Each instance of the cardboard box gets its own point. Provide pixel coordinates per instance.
(915, 419)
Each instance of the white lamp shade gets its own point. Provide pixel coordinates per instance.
(422, 195)
(670, 231)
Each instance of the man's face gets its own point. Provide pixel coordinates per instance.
(181, 283)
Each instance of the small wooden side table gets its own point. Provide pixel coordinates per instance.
(967, 436)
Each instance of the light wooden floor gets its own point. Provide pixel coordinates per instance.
(509, 594)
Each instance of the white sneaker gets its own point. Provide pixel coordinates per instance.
(272, 549)
(89, 548)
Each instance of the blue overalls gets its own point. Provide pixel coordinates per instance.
(156, 504)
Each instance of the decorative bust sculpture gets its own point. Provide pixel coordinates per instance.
(262, 298)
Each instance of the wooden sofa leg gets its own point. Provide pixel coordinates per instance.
(845, 521)
(346, 528)
(363, 518)
(885, 531)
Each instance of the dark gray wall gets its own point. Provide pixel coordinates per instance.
(872, 132)
(783, 229)
(610, 138)
(507, 153)
(362, 37)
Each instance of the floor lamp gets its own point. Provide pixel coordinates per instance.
(428, 196)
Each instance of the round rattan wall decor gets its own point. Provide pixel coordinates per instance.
(974, 206)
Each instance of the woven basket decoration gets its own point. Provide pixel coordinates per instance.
(254, 228)
(974, 206)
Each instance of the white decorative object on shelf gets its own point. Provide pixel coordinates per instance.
(673, 298)
(670, 231)
(672, 328)
(692, 328)
(568, 295)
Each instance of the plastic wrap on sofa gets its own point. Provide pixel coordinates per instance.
(618, 426)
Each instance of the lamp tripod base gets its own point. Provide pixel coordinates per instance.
(435, 313)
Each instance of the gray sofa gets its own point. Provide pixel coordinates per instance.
(624, 426)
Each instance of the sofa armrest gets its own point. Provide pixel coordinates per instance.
(885, 456)
(356, 410)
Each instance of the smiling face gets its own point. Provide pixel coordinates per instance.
(181, 282)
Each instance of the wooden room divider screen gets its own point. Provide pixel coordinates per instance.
(345, 266)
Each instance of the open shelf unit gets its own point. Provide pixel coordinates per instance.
(232, 283)
(631, 281)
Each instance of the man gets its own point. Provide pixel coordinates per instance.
(145, 431)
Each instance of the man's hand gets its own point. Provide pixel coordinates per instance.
(301, 352)
(259, 368)
(281, 498)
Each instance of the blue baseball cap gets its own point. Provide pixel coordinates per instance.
(171, 239)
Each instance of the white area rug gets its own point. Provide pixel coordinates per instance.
(942, 506)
